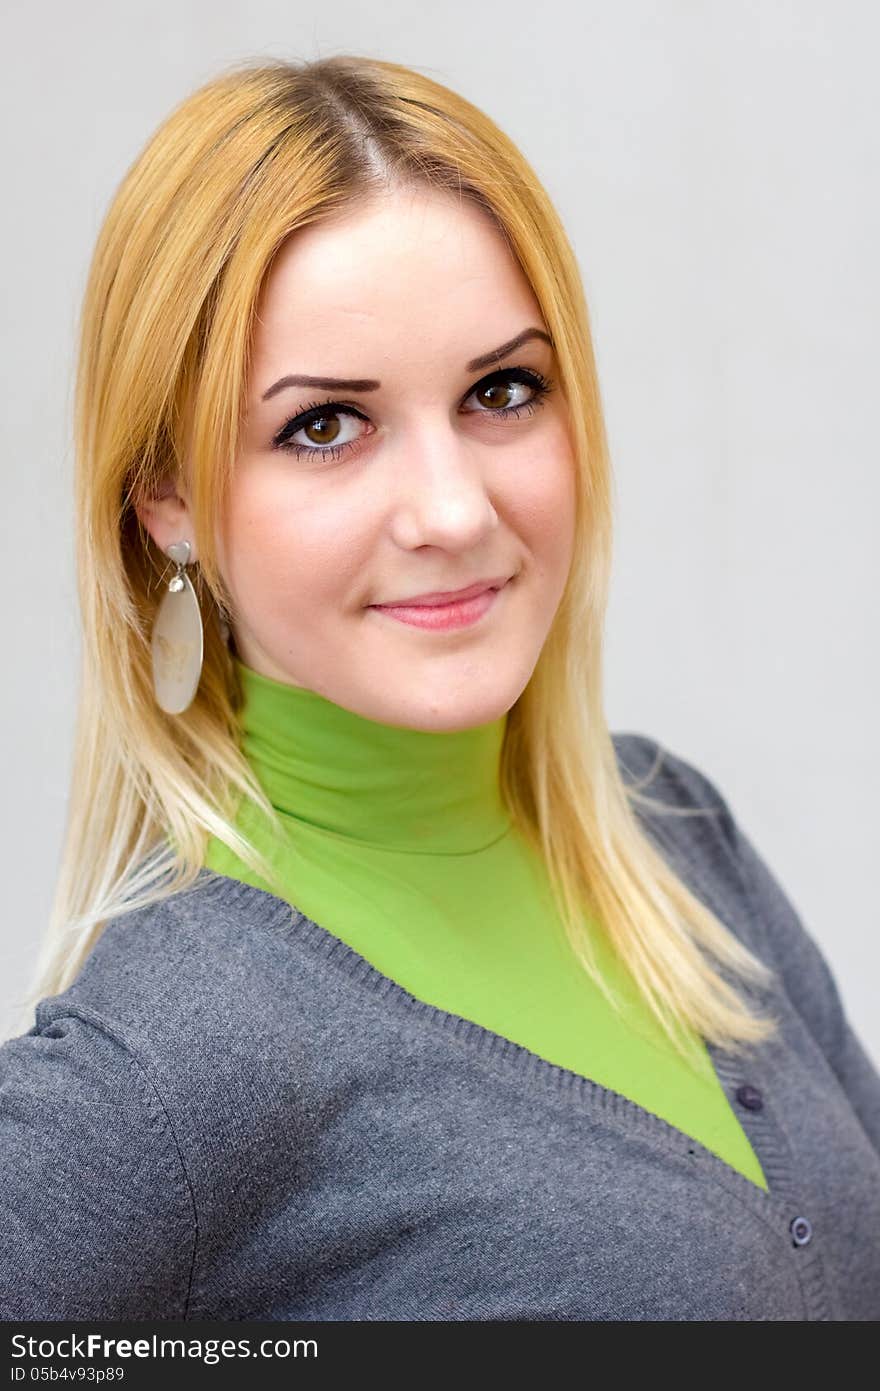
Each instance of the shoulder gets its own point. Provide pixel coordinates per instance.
(96, 1218)
(652, 767)
(687, 817)
(196, 964)
(679, 805)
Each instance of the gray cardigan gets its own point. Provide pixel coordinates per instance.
(232, 1115)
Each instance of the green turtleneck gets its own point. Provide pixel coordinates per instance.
(398, 842)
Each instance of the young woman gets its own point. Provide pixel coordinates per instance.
(383, 981)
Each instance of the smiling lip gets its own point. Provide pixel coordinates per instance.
(462, 612)
(451, 596)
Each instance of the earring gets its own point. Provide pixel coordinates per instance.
(178, 639)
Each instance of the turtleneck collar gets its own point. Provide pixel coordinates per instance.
(378, 784)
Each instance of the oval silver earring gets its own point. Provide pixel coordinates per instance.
(178, 639)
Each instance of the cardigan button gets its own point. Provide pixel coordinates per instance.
(749, 1097)
(801, 1231)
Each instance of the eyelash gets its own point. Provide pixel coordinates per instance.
(319, 410)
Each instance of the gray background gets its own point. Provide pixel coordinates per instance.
(715, 165)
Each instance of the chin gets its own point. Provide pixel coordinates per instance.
(458, 709)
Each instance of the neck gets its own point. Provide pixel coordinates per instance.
(379, 784)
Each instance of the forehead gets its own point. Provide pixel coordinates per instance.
(404, 270)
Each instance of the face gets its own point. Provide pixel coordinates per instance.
(424, 471)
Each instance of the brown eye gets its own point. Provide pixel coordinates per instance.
(510, 392)
(495, 395)
(327, 430)
(317, 431)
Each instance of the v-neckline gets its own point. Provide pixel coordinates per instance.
(612, 1107)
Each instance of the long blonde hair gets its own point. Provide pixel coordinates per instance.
(259, 151)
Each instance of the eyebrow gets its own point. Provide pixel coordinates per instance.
(370, 384)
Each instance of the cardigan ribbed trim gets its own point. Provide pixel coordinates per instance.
(778, 1201)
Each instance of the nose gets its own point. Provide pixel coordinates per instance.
(441, 495)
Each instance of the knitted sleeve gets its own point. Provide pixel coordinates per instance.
(96, 1220)
(806, 975)
(812, 988)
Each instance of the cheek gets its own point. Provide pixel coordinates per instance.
(542, 506)
(286, 553)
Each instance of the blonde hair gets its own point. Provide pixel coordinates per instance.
(259, 151)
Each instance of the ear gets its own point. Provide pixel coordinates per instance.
(167, 517)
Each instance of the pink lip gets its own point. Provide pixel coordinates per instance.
(459, 614)
(448, 596)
